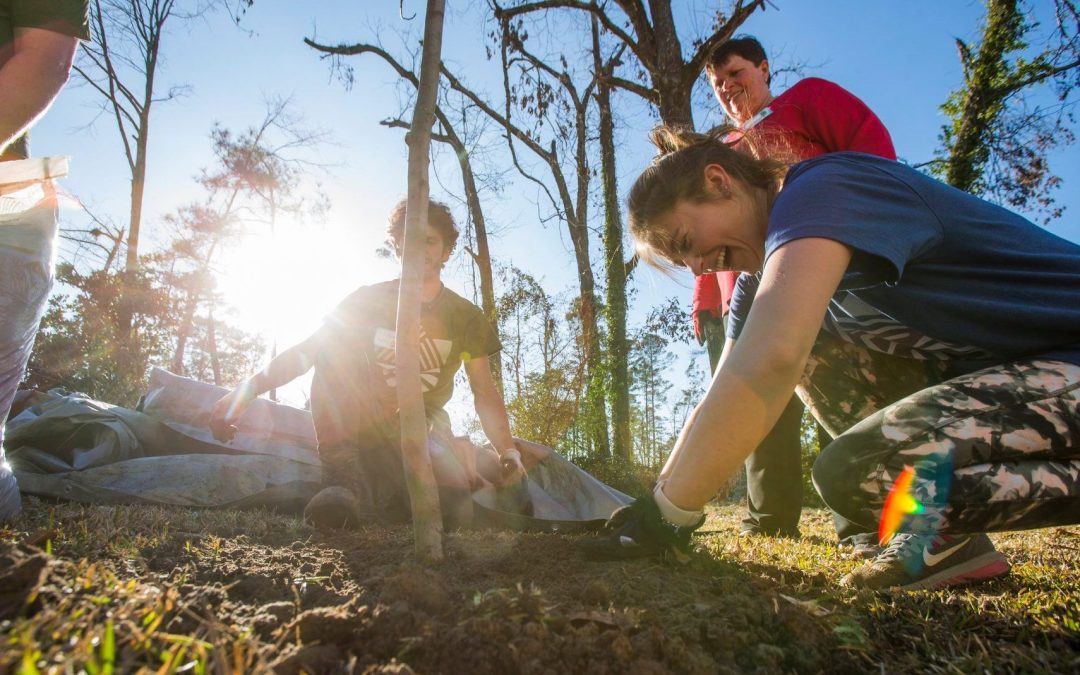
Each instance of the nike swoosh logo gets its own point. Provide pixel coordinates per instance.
(932, 559)
(627, 542)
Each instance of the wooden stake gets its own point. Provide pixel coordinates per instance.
(419, 476)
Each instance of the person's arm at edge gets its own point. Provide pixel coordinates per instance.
(282, 369)
(755, 380)
(493, 418)
(38, 69)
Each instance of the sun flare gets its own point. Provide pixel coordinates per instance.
(282, 285)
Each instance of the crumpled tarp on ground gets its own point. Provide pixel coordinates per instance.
(69, 446)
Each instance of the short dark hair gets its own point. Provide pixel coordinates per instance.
(439, 217)
(746, 46)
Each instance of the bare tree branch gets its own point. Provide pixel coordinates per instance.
(738, 15)
(506, 13)
(1036, 78)
(647, 93)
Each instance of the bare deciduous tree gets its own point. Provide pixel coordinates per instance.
(122, 65)
(653, 39)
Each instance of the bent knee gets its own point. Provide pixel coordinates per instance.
(840, 470)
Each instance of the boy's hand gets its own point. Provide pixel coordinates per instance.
(228, 409)
(512, 469)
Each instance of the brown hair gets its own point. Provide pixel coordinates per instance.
(677, 174)
(746, 46)
(439, 217)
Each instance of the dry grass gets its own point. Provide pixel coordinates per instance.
(127, 588)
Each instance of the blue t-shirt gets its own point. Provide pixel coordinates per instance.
(935, 273)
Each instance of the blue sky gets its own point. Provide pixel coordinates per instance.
(899, 57)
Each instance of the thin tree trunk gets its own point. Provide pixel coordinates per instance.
(419, 476)
(483, 254)
(215, 358)
(117, 240)
(577, 223)
(138, 187)
(188, 321)
(616, 352)
(184, 332)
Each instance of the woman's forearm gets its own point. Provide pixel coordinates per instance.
(754, 383)
(726, 427)
(680, 442)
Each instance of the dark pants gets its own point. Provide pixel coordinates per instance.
(774, 481)
(374, 472)
(994, 449)
(774, 484)
(366, 458)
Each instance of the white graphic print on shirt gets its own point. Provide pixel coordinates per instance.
(434, 353)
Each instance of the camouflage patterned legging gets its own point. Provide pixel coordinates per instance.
(994, 449)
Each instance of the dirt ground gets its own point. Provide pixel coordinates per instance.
(178, 590)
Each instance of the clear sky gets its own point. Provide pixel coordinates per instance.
(899, 57)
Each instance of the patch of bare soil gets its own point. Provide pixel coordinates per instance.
(357, 602)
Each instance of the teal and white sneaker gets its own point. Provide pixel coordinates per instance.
(861, 546)
(912, 562)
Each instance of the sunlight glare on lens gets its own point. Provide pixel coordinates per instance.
(899, 503)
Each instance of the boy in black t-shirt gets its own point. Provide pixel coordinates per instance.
(353, 393)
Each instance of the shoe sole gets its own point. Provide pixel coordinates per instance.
(769, 535)
(986, 566)
(863, 553)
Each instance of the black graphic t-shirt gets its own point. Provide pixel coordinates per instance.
(355, 381)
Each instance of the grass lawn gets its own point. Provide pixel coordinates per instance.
(121, 588)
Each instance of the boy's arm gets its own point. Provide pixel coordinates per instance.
(492, 413)
(284, 368)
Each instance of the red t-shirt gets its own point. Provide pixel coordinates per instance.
(811, 118)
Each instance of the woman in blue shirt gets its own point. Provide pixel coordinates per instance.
(926, 329)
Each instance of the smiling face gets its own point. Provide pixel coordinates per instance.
(741, 87)
(436, 253)
(724, 232)
(440, 236)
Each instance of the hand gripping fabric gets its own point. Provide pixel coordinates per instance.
(640, 531)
